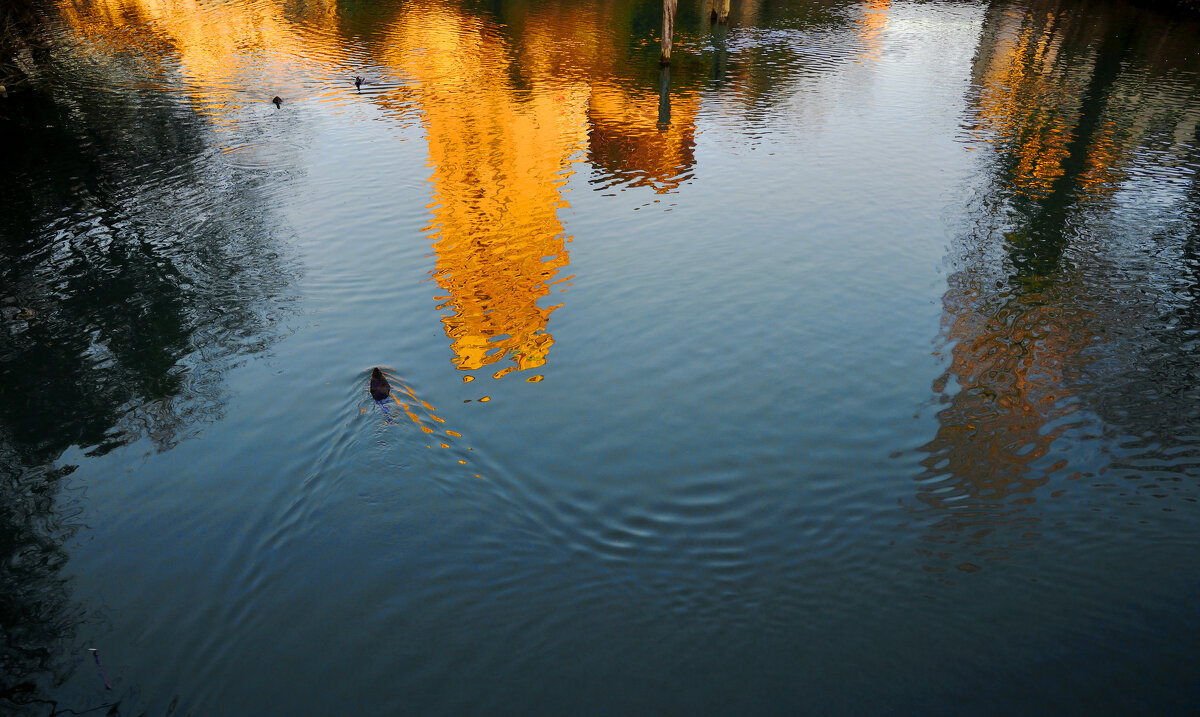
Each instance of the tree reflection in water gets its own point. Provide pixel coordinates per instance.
(1035, 312)
(123, 301)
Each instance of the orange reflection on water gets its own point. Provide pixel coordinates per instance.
(419, 411)
(228, 53)
(628, 141)
(871, 27)
(626, 138)
(1024, 102)
(96, 21)
(1013, 358)
(502, 153)
(500, 158)
(1031, 84)
(508, 112)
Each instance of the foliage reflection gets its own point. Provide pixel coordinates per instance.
(1029, 314)
(121, 310)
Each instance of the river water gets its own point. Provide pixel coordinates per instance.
(849, 366)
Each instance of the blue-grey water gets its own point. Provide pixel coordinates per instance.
(849, 366)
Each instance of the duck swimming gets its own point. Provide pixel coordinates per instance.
(380, 388)
(277, 100)
(358, 81)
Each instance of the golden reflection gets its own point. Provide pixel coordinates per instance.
(1038, 95)
(508, 112)
(503, 152)
(224, 51)
(416, 409)
(589, 42)
(500, 158)
(628, 141)
(871, 27)
(1023, 101)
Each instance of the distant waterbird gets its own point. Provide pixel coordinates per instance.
(277, 100)
(358, 82)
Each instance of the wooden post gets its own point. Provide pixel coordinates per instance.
(720, 11)
(668, 30)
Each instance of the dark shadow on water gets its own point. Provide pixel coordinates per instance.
(664, 97)
(37, 615)
(124, 297)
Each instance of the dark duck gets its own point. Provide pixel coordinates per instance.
(380, 388)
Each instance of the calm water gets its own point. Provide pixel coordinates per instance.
(850, 366)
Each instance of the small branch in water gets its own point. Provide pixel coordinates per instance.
(99, 667)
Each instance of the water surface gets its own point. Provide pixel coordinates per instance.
(847, 366)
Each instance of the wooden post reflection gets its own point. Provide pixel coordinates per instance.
(664, 97)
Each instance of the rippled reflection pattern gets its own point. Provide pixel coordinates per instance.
(1042, 315)
(631, 143)
(123, 304)
(727, 495)
(229, 55)
(1011, 358)
(500, 161)
(503, 154)
(38, 616)
(504, 133)
(1066, 106)
(639, 133)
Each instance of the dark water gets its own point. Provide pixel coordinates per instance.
(850, 366)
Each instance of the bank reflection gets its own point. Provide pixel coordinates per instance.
(38, 615)
(122, 308)
(1033, 80)
(1029, 313)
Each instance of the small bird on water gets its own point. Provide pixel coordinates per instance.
(380, 388)
(358, 82)
(277, 100)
